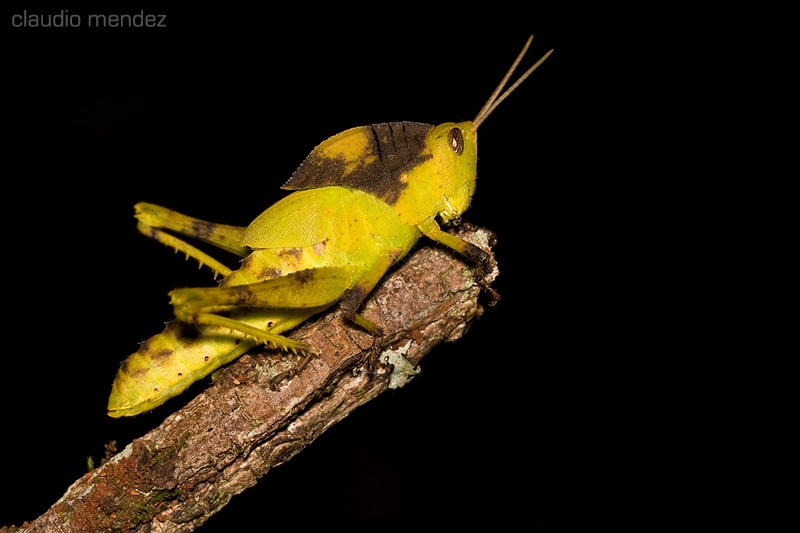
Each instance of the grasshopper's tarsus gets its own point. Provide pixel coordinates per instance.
(288, 375)
(359, 319)
(495, 296)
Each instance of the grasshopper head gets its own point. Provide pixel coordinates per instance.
(454, 148)
(455, 151)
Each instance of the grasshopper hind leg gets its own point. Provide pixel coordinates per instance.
(303, 293)
(156, 221)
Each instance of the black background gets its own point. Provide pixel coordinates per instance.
(621, 385)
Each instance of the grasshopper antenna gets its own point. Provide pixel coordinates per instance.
(494, 101)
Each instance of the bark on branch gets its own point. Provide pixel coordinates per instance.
(179, 474)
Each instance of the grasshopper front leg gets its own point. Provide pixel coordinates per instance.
(472, 253)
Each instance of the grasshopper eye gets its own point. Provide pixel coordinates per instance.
(456, 141)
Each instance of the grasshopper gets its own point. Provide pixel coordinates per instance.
(362, 200)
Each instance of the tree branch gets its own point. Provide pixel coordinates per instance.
(179, 474)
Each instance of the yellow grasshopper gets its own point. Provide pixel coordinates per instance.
(363, 199)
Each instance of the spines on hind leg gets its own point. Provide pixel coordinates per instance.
(155, 222)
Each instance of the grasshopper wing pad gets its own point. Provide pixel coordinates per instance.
(302, 219)
(368, 158)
